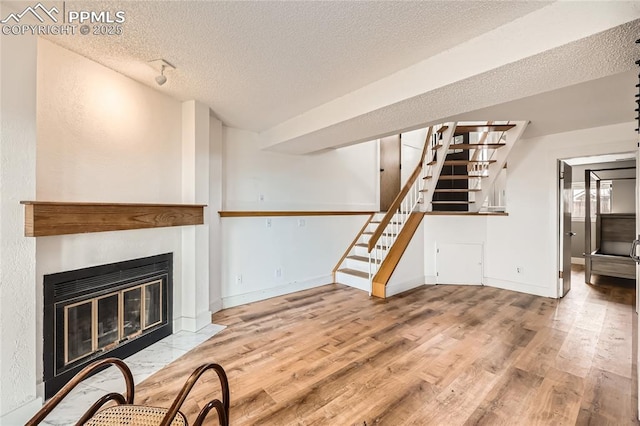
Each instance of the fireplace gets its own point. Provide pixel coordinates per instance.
(108, 310)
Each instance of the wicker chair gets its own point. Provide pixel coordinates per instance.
(126, 413)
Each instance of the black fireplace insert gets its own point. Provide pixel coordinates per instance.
(108, 310)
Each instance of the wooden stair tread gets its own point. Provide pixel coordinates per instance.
(354, 272)
(378, 223)
(453, 202)
(359, 258)
(462, 162)
(457, 177)
(445, 213)
(473, 146)
(479, 128)
(365, 245)
(457, 190)
(453, 190)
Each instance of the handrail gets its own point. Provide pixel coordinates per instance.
(425, 149)
(353, 243)
(394, 206)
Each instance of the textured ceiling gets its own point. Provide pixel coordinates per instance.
(257, 64)
(493, 95)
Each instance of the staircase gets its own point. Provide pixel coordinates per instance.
(457, 172)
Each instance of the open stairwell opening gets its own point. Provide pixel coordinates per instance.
(461, 171)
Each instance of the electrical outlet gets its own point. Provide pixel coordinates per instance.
(261, 198)
(278, 272)
(302, 222)
(268, 222)
(519, 269)
(238, 279)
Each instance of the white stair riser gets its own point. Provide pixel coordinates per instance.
(357, 265)
(353, 281)
(361, 251)
(364, 238)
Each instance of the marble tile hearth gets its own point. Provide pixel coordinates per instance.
(142, 364)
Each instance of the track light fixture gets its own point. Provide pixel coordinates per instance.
(161, 79)
(161, 65)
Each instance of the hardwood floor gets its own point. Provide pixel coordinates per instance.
(438, 355)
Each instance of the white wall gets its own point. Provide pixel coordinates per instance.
(195, 281)
(304, 254)
(526, 239)
(105, 137)
(340, 179)
(440, 230)
(18, 351)
(411, 150)
(337, 180)
(213, 218)
(623, 196)
(528, 236)
(410, 270)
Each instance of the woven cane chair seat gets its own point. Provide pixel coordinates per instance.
(133, 415)
(127, 413)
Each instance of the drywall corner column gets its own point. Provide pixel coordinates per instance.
(18, 400)
(195, 239)
(215, 222)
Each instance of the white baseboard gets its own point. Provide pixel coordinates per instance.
(577, 260)
(192, 324)
(215, 306)
(520, 287)
(255, 296)
(430, 280)
(397, 288)
(20, 415)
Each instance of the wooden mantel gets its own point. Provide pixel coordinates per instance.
(45, 218)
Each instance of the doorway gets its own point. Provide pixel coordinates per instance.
(591, 189)
(389, 171)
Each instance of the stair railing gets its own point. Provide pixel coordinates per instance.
(404, 204)
(510, 137)
(433, 168)
(351, 246)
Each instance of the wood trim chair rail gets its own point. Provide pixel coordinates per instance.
(274, 213)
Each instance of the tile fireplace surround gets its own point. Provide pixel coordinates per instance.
(143, 364)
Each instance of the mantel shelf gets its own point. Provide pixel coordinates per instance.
(46, 218)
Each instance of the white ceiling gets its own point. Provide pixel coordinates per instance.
(257, 64)
(313, 75)
(599, 102)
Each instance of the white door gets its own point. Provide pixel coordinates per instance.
(637, 253)
(459, 264)
(565, 203)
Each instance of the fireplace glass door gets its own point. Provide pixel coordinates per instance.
(101, 323)
(131, 314)
(152, 304)
(78, 331)
(108, 328)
